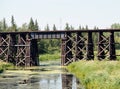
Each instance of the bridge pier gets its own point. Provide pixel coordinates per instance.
(16, 49)
(106, 46)
(112, 53)
(81, 46)
(63, 51)
(27, 51)
(90, 50)
(12, 49)
(4, 47)
(67, 50)
(23, 50)
(34, 52)
(101, 46)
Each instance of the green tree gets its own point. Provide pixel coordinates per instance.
(86, 27)
(24, 27)
(4, 25)
(14, 26)
(0, 26)
(83, 28)
(54, 28)
(115, 26)
(36, 26)
(31, 25)
(47, 28)
(71, 27)
(95, 28)
(80, 27)
(67, 27)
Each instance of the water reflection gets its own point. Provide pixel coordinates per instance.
(62, 81)
(52, 81)
(67, 81)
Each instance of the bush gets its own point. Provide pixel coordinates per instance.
(46, 57)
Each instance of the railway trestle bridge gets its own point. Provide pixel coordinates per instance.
(20, 48)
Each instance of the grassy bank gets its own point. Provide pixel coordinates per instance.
(48, 57)
(4, 66)
(97, 74)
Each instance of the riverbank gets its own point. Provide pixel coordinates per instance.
(97, 74)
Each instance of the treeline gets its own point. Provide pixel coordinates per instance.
(33, 26)
(48, 45)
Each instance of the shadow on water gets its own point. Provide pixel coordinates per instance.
(45, 76)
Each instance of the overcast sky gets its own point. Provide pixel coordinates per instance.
(101, 13)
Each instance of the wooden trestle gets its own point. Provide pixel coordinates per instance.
(17, 48)
(21, 48)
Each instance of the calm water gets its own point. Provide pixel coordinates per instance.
(42, 77)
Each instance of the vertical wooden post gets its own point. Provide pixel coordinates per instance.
(0, 46)
(66, 50)
(112, 53)
(34, 52)
(8, 45)
(12, 48)
(79, 46)
(27, 53)
(63, 51)
(90, 51)
(101, 53)
(69, 47)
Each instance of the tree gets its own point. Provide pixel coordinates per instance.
(24, 27)
(0, 26)
(4, 25)
(80, 27)
(86, 27)
(67, 27)
(36, 26)
(95, 28)
(13, 27)
(71, 27)
(54, 28)
(47, 28)
(31, 25)
(115, 26)
(83, 28)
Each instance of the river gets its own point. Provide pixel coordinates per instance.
(49, 75)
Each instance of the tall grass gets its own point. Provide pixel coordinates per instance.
(97, 74)
(4, 66)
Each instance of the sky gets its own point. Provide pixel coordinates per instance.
(100, 13)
